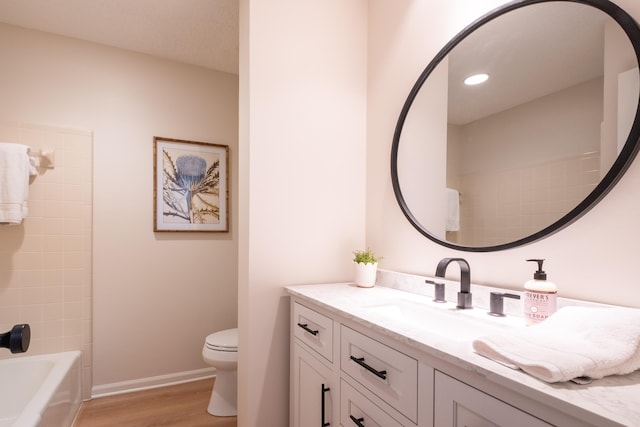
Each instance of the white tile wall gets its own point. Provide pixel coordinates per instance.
(45, 263)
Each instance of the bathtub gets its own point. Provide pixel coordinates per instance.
(42, 390)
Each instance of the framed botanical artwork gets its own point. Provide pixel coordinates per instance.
(190, 185)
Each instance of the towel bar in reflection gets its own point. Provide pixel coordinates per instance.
(43, 158)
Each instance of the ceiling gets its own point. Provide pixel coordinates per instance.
(528, 53)
(205, 33)
(197, 32)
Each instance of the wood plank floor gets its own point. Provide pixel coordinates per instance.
(182, 405)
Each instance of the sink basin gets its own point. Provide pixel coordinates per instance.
(444, 320)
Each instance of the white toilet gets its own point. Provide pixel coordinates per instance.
(221, 351)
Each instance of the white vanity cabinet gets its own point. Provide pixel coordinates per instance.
(342, 377)
(381, 369)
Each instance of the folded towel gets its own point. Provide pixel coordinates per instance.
(573, 342)
(453, 210)
(15, 168)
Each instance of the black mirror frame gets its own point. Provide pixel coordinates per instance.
(617, 170)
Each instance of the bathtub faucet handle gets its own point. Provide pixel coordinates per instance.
(17, 339)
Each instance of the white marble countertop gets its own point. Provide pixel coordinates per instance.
(611, 401)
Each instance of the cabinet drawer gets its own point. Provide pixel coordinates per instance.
(386, 372)
(458, 404)
(356, 410)
(313, 329)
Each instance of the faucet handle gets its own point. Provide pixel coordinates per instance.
(438, 292)
(17, 339)
(496, 303)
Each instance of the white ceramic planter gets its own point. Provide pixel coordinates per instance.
(365, 274)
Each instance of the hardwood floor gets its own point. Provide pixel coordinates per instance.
(182, 405)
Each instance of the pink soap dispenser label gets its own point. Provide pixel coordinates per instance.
(538, 305)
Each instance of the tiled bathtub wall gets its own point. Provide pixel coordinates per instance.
(500, 206)
(45, 263)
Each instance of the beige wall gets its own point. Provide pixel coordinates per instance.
(302, 139)
(45, 262)
(156, 295)
(593, 241)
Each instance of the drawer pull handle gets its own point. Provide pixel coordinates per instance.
(360, 361)
(306, 328)
(324, 390)
(357, 421)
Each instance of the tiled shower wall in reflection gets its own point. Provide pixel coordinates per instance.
(502, 206)
(45, 263)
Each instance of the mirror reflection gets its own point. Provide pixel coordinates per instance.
(512, 155)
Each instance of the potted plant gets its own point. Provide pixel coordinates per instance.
(366, 266)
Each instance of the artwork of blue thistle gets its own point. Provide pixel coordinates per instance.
(191, 169)
(190, 172)
(190, 189)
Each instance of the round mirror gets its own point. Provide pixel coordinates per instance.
(551, 126)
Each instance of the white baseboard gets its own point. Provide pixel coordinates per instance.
(151, 382)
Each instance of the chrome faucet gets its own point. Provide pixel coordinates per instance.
(464, 296)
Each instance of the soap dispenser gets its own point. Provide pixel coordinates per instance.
(539, 296)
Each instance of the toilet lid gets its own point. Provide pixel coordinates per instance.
(227, 339)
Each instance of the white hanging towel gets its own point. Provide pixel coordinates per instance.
(15, 168)
(453, 210)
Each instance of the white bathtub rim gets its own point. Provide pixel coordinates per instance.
(32, 412)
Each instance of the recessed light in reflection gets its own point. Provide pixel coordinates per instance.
(476, 79)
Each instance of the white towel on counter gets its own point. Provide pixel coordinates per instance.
(574, 342)
(453, 210)
(15, 168)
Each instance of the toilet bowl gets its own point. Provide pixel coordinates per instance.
(221, 351)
